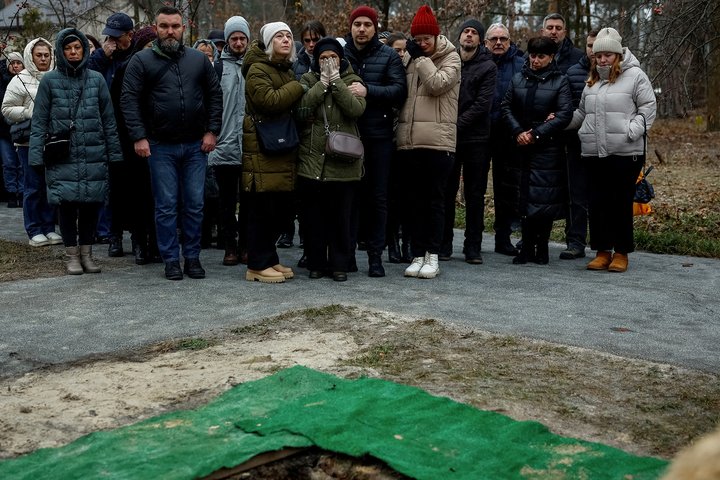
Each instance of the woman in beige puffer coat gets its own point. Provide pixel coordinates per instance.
(426, 137)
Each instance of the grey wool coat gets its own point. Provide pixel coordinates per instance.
(82, 177)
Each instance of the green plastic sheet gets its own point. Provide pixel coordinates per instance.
(417, 434)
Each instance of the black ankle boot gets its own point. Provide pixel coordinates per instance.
(394, 250)
(140, 253)
(542, 256)
(375, 266)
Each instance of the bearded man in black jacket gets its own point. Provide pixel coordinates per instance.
(555, 29)
(477, 89)
(384, 88)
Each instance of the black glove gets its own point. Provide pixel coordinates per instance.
(414, 49)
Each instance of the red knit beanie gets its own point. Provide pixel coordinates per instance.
(424, 23)
(364, 11)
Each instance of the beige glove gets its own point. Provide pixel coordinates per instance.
(334, 68)
(325, 71)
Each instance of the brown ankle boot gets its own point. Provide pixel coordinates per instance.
(601, 261)
(86, 260)
(619, 263)
(72, 261)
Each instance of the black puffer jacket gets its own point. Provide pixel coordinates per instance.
(302, 64)
(477, 89)
(577, 74)
(381, 69)
(508, 64)
(171, 99)
(568, 55)
(538, 178)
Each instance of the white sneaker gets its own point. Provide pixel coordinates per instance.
(431, 267)
(54, 238)
(414, 268)
(39, 240)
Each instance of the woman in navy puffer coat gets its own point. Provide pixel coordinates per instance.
(76, 99)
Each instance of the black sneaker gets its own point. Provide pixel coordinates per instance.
(571, 253)
(506, 248)
(285, 241)
(193, 268)
(445, 253)
(173, 270)
(116, 248)
(472, 255)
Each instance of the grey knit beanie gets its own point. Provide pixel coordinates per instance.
(608, 40)
(237, 24)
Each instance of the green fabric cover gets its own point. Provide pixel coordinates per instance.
(419, 435)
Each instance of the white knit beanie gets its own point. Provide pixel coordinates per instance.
(269, 30)
(236, 24)
(608, 40)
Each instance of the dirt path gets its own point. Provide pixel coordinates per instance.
(641, 407)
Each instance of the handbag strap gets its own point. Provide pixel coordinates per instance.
(77, 105)
(327, 124)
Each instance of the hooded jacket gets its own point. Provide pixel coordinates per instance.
(94, 140)
(477, 88)
(19, 100)
(171, 99)
(610, 113)
(228, 150)
(382, 72)
(343, 110)
(538, 179)
(429, 116)
(270, 91)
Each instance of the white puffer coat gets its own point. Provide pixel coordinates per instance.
(19, 101)
(610, 112)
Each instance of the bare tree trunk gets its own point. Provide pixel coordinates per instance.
(713, 80)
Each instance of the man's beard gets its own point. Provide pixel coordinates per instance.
(469, 48)
(169, 45)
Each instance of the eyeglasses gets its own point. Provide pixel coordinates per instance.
(311, 40)
(498, 39)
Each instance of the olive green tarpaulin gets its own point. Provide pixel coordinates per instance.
(419, 435)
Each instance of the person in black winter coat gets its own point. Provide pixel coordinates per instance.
(477, 88)
(139, 202)
(555, 29)
(12, 171)
(509, 60)
(384, 88)
(536, 108)
(172, 104)
(576, 222)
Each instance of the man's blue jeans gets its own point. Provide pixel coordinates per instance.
(177, 172)
(39, 216)
(12, 168)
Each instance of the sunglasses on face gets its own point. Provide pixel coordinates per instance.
(311, 40)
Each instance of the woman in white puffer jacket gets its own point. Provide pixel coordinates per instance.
(17, 106)
(616, 109)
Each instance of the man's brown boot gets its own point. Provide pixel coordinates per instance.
(619, 263)
(231, 257)
(601, 261)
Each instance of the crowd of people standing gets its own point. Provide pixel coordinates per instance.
(146, 126)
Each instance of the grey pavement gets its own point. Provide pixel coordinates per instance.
(665, 308)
